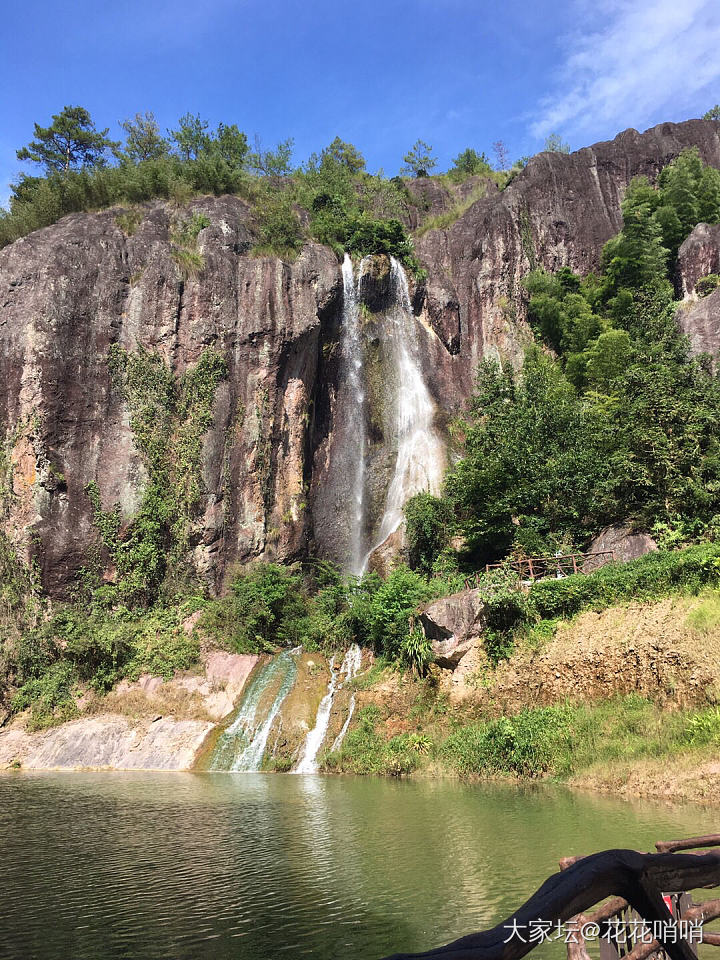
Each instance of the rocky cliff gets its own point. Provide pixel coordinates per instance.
(71, 291)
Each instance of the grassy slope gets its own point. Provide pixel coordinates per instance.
(647, 724)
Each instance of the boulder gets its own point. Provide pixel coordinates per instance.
(452, 624)
(699, 320)
(698, 256)
(625, 543)
(386, 555)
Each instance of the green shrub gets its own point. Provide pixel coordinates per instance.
(262, 612)
(704, 728)
(416, 652)
(706, 285)
(654, 575)
(526, 745)
(391, 608)
(50, 695)
(277, 226)
(364, 751)
(428, 529)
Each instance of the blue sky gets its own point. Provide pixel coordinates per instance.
(380, 74)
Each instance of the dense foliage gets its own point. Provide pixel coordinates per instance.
(82, 169)
(618, 422)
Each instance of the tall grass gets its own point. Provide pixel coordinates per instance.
(442, 221)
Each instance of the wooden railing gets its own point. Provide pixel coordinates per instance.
(650, 885)
(623, 933)
(537, 568)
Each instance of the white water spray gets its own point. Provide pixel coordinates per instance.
(242, 745)
(352, 351)
(315, 738)
(420, 456)
(353, 658)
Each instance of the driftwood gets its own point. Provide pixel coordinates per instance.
(635, 877)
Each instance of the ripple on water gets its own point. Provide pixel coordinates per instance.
(249, 866)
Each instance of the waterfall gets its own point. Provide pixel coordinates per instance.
(352, 351)
(242, 745)
(315, 738)
(420, 457)
(355, 653)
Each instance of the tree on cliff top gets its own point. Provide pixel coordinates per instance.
(143, 140)
(713, 113)
(419, 160)
(70, 141)
(470, 162)
(555, 144)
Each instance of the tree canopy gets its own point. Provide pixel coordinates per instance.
(419, 160)
(71, 141)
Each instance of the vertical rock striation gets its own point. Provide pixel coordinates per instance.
(72, 290)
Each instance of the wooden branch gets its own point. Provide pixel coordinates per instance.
(637, 878)
(672, 846)
(607, 910)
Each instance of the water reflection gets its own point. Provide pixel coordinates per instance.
(250, 866)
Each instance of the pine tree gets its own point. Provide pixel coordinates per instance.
(143, 139)
(636, 256)
(71, 141)
(419, 161)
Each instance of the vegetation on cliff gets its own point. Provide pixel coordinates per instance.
(332, 198)
(563, 742)
(610, 418)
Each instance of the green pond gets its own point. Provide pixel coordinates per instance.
(152, 866)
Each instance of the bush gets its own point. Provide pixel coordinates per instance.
(428, 529)
(654, 575)
(416, 652)
(364, 751)
(704, 728)
(391, 608)
(262, 612)
(706, 285)
(277, 226)
(525, 745)
(95, 647)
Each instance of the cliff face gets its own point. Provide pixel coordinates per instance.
(559, 212)
(70, 291)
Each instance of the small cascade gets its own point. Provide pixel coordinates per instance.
(315, 738)
(352, 352)
(354, 664)
(420, 458)
(242, 745)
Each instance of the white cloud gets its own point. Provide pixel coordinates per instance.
(643, 57)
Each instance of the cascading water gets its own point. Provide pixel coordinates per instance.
(316, 737)
(352, 351)
(354, 661)
(420, 457)
(242, 744)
